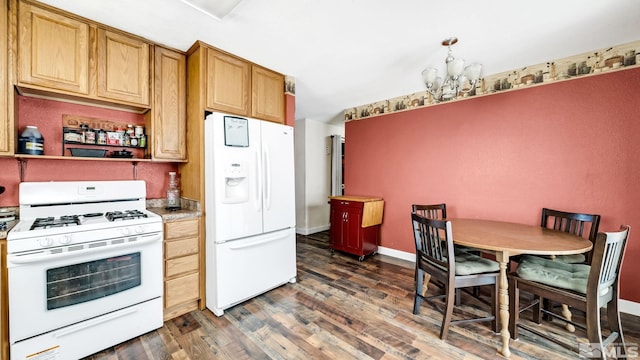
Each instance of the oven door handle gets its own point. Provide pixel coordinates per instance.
(42, 257)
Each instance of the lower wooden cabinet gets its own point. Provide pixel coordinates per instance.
(181, 267)
(355, 224)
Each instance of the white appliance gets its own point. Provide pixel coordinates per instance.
(250, 209)
(84, 268)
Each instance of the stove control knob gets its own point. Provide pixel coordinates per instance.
(65, 239)
(126, 231)
(139, 229)
(44, 242)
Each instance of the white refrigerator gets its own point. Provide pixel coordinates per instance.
(249, 209)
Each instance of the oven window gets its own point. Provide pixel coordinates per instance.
(78, 283)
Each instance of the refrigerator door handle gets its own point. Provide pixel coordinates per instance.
(258, 182)
(256, 243)
(267, 178)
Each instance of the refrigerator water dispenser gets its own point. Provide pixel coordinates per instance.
(236, 184)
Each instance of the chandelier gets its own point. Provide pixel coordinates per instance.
(459, 79)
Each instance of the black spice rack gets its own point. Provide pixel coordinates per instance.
(75, 136)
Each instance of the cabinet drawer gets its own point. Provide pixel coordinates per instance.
(180, 247)
(182, 228)
(181, 289)
(181, 265)
(347, 204)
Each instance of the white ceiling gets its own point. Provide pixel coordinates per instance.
(345, 53)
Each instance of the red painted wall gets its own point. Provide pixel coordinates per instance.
(290, 109)
(571, 145)
(47, 116)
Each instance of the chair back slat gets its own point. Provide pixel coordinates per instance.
(431, 211)
(433, 241)
(572, 223)
(607, 258)
(609, 271)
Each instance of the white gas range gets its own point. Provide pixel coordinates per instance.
(85, 268)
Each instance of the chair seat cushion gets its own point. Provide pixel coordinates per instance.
(567, 259)
(469, 264)
(554, 273)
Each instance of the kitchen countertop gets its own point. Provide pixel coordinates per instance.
(189, 209)
(176, 214)
(10, 225)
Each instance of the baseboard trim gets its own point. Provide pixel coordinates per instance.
(397, 254)
(625, 306)
(629, 307)
(313, 230)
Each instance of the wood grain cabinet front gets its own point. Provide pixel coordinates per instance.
(6, 111)
(61, 53)
(181, 267)
(53, 50)
(228, 83)
(237, 86)
(267, 95)
(167, 120)
(123, 68)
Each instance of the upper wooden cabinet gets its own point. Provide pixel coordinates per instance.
(169, 111)
(228, 83)
(53, 50)
(237, 86)
(267, 94)
(123, 68)
(61, 53)
(6, 111)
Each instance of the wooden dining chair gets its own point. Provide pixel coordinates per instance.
(431, 211)
(439, 212)
(435, 256)
(579, 224)
(584, 287)
(572, 223)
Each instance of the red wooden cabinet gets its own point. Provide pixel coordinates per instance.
(355, 224)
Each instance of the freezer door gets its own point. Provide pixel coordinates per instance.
(233, 185)
(279, 183)
(242, 269)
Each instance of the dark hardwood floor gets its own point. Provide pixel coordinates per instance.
(339, 308)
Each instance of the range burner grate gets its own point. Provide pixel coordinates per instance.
(125, 215)
(51, 222)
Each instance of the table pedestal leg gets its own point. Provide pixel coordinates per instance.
(503, 290)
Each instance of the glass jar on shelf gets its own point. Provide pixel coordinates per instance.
(173, 192)
(101, 137)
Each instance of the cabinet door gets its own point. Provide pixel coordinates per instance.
(335, 233)
(6, 121)
(123, 68)
(53, 50)
(228, 84)
(353, 230)
(267, 95)
(169, 127)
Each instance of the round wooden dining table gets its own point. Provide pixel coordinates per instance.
(506, 239)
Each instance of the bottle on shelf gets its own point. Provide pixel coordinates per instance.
(173, 192)
(31, 141)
